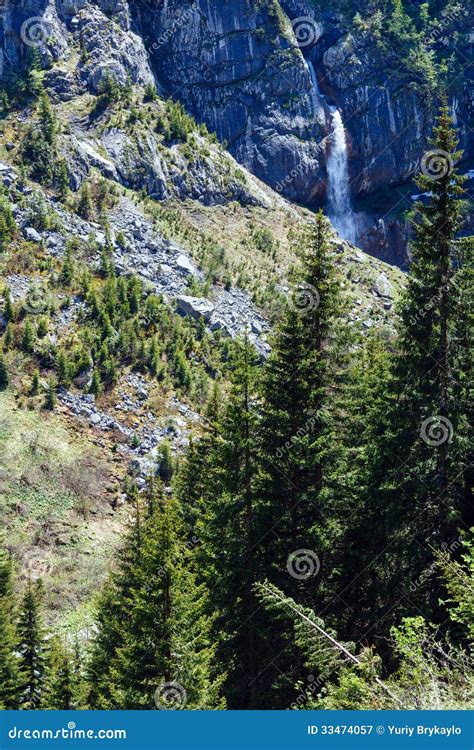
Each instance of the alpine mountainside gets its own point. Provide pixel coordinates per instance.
(267, 76)
(235, 448)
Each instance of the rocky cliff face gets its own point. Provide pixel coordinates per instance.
(237, 67)
(101, 30)
(264, 75)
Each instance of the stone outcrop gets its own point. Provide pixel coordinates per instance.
(260, 75)
(237, 67)
(197, 307)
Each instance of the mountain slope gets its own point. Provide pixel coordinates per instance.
(107, 172)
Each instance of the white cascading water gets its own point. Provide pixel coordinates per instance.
(339, 195)
(315, 94)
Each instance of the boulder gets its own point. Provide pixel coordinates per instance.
(61, 84)
(382, 286)
(31, 234)
(141, 467)
(196, 307)
(183, 263)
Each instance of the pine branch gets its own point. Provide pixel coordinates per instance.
(270, 593)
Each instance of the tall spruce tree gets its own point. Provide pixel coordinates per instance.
(7, 222)
(193, 482)
(301, 446)
(228, 531)
(298, 397)
(47, 119)
(31, 647)
(154, 648)
(9, 676)
(416, 495)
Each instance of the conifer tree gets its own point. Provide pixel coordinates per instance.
(28, 338)
(31, 648)
(50, 400)
(194, 480)
(8, 310)
(370, 400)
(67, 270)
(84, 203)
(32, 84)
(418, 475)
(8, 337)
(39, 147)
(301, 393)
(430, 305)
(134, 294)
(302, 447)
(7, 223)
(229, 531)
(63, 369)
(96, 384)
(47, 119)
(166, 462)
(62, 178)
(59, 688)
(35, 383)
(42, 329)
(4, 379)
(9, 676)
(154, 638)
(154, 357)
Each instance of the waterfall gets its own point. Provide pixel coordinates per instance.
(315, 93)
(339, 196)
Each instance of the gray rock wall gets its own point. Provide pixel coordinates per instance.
(241, 66)
(236, 67)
